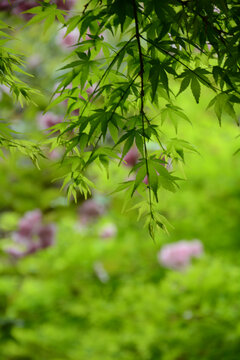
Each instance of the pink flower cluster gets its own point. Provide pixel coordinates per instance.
(18, 6)
(48, 120)
(65, 5)
(178, 255)
(90, 210)
(32, 235)
(69, 40)
(132, 157)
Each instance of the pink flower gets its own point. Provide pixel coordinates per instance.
(54, 154)
(108, 231)
(90, 210)
(32, 235)
(75, 112)
(32, 248)
(46, 235)
(178, 255)
(48, 120)
(30, 223)
(209, 46)
(22, 5)
(5, 5)
(65, 5)
(131, 158)
(19, 6)
(70, 40)
(90, 91)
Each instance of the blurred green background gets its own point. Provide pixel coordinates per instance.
(91, 297)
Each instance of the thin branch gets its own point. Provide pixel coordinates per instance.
(141, 74)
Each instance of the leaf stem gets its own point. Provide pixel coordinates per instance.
(141, 74)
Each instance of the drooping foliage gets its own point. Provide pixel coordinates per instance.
(11, 65)
(119, 83)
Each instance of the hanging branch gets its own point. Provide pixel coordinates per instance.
(141, 74)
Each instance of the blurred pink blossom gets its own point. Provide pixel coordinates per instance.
(65, 5)
(90, 91)
(90, 210)
(46, 235)
(19, 6)
(48, 120)
(5, 5)
(55, 154)
(209, 46)
(30, 223)
(68, 41)
(31, 235)
(131, 158)
(178, 255)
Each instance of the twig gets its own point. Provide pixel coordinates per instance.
(141, 74)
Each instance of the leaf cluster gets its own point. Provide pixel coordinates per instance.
(122, 69)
